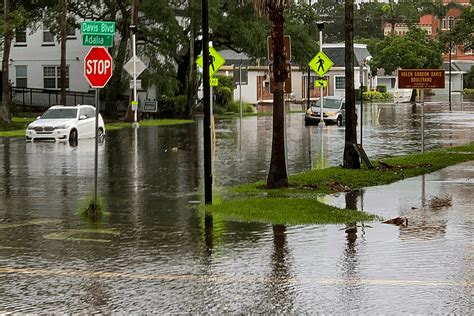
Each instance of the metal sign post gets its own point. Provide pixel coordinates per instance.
(422, 120)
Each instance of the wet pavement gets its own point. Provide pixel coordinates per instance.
(154, 252)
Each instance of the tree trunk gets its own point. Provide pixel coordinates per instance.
(63, 50)
(351, 158)
(114, 89)
(190, 78)
(278, 175)
(7, 42)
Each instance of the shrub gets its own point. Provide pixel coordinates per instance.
(377, 96)
(382, 89)
(234, 107)
(171, 107)
(468, 91)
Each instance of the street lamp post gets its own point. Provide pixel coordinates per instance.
(320, 28)
(450, 50)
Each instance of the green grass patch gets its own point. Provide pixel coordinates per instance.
(19, 124)
(16, 128)
(289, 211)
(298, 203)
(163, 122)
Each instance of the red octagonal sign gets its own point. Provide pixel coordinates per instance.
(98, 67)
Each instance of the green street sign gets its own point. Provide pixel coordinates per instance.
(98, 27)
(321, 63)
(215, 61)
(97, 40)
(321, 83)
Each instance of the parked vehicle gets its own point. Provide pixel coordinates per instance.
(65, 123)
(334, 111)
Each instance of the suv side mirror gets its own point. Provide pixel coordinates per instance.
(343, 105)
(82, 117)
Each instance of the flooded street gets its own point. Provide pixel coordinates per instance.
(155, 252)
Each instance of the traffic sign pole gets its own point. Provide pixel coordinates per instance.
(134, 52)
(96, 155)
(321, 89)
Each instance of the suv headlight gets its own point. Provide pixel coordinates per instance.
(30, 127)
(331, 113)
(64, 126)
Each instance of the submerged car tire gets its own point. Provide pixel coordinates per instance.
(339, 121)
(73, 136)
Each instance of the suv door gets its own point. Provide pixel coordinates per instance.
(85, 125)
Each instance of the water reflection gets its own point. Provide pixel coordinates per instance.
(280, 289)
(155, 251)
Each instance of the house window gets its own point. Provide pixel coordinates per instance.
(467, 48)
(21, 76)
(20, 37)
(340, 82)
(71, 31)
(450, 22)
(52, 77)
(443, 23)
(48, 38)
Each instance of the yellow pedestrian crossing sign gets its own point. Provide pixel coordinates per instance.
(321, 83)
(321, 63)
(215, 61)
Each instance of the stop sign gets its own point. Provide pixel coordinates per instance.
(98, 67)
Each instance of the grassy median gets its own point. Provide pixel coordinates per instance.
(18, 126)
(299, 203)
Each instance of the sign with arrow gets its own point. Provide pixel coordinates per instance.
(321, 63)
(215, 61)
(321, 83)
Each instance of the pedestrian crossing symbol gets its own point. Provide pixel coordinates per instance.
(321, 63)
(215, 61)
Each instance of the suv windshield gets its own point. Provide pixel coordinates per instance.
(329, 103)
(59, 114)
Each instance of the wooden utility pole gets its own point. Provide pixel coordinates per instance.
(63, 50)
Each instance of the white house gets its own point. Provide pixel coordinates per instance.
(35, 60)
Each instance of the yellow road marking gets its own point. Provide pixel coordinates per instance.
(225, 278)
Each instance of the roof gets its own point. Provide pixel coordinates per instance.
(459, 65)
(336, 52)
(231, 57)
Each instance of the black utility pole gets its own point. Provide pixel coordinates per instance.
(309, 68)
(207, 105)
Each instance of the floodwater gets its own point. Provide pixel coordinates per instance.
(155, 253)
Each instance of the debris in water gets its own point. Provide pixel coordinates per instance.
(439, 202)
(399, 221)
(339, 187)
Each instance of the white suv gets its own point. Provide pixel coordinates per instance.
(63, 123)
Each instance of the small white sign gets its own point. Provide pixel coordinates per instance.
(139, 84)
(140, 66)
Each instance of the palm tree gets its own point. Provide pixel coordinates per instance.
(273, 10)
(351, 158)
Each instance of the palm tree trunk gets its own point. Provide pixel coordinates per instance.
(351, 158)
(7, 42)
(63, 50)
(278, 176)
